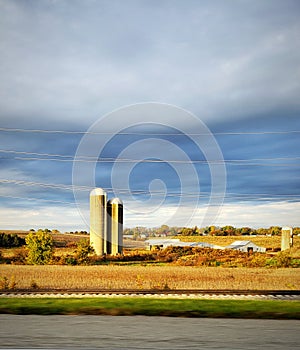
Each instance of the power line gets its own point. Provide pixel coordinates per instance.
(37, 199)
(48, 185)
(146, 133)
(228, 195)
(70, 158)
(240, 199)
(36, 153)
(155, 161)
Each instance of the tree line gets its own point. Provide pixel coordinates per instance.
(164, 230)
(11, 240)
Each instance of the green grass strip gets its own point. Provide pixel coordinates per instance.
(274, 309)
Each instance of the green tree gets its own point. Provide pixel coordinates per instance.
(262, 231)
(84, 249)
(275, 230)
(187, 231)
(296, 231)
(40, 247)
(228, 230)
(245, 231)
(10, 241)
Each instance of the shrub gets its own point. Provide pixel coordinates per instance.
(257, 260)
(84, 249)
(34, 285)
(66, 260)
(282, 259)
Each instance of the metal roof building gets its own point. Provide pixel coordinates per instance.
(246, 246)
(164, 243)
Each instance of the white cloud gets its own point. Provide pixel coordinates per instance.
(239, 215)
(260, 215)
(61, 218)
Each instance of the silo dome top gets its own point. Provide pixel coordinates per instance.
(115, 201)
(97, 192)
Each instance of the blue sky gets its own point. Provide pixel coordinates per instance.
(226, 67)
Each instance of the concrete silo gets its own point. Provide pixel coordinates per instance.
(98, 221)
(115, 226)
(286, 238)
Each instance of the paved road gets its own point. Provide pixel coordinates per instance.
(140, 332)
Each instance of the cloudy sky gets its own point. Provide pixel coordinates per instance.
(187, 110)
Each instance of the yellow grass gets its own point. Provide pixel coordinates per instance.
(150, 277)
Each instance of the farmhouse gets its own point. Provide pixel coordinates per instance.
(246, 246)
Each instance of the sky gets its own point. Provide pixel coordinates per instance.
(189, 111)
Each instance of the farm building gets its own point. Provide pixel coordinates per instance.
(246, 246)
(164, 243)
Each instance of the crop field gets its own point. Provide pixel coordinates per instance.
(147, 277)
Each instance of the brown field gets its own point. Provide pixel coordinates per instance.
(149, 277)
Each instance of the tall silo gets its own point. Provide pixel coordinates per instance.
(98, 221)
(286, 238)
(115, 226)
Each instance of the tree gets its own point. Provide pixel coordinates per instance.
(228, 230)
(10, 241)
(275, 230)
(296, 231)
(40, 247)
(55, 231)
(245, 231)
(83, 251)
(262, 231)
(163, 229)
(187, 231)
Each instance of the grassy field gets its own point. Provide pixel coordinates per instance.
(273, 309)
(148, 277)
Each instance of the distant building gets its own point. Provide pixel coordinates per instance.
(128, 236)
(164, 243)
(246, 247)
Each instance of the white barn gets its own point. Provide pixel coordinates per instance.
(246, 246)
